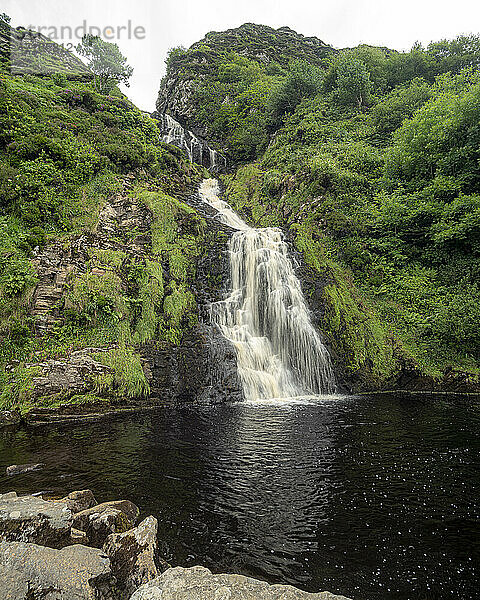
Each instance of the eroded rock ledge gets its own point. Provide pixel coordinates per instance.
(73, 548)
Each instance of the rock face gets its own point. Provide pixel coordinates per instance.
(202, 365)
(74, 373)
(32, 519)
(198, 583)
(256, 42)
(32, 572)
(134, 556)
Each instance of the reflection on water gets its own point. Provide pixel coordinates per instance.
(372, 498)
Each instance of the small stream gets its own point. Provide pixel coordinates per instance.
(375, 498)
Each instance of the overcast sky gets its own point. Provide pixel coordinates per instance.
(169, 23)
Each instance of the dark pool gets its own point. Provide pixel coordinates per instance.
(373, 498)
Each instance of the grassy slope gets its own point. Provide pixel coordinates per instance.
(64, 151)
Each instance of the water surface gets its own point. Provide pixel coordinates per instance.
(369, 497)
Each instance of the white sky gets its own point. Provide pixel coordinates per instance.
(170, 23)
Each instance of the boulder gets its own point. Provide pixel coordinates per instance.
(130, 510)
(29, 571)
(104, 519)
(18, 469)
(198, 583)
(134, 556)
(79, 500)
(32, 519)
(78, 537)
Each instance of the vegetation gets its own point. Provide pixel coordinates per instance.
(368, 158)
(377, 177)
(106, 62)
(66, 147)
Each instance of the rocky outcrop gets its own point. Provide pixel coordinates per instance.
(134, 557)
(33, 572)
(201, 365)
(198, 583)
(46, 554)
(28, 52)
(75, 373)
(99, 521)
(32, 519)
(46, 548)
(257, 42)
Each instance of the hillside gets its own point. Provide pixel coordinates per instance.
(25, 52)
(102, 261)
(368, 159)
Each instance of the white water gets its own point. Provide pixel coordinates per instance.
(279, 352)
(188, 141)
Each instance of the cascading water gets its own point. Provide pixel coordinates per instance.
(197, 150)
(279, 352)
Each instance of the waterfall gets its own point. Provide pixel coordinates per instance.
(197, 150)
(279, 352)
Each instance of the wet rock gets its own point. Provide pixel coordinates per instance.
(104, 519)
(134, 556)
(18, 469)
(79, 500)
(9, 417)
(32, 519)
(198, 583)
(32, 572)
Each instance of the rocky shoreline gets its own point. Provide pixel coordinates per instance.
(74, 548)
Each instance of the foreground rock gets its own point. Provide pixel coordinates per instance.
(79, 500)
(99, 521)
(46, 553)
(198, 583)
(32, 572)
(134, 556)
(32, 519)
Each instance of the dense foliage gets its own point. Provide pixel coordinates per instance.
(64, 150)
(378, 178)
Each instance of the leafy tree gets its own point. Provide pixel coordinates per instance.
(353, 83)
(107, 63)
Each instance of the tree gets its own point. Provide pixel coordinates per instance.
(107, 63)
(353, 83)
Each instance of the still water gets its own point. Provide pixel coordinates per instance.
(373, 498)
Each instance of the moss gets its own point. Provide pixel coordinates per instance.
(355, 331)
(150, 295)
